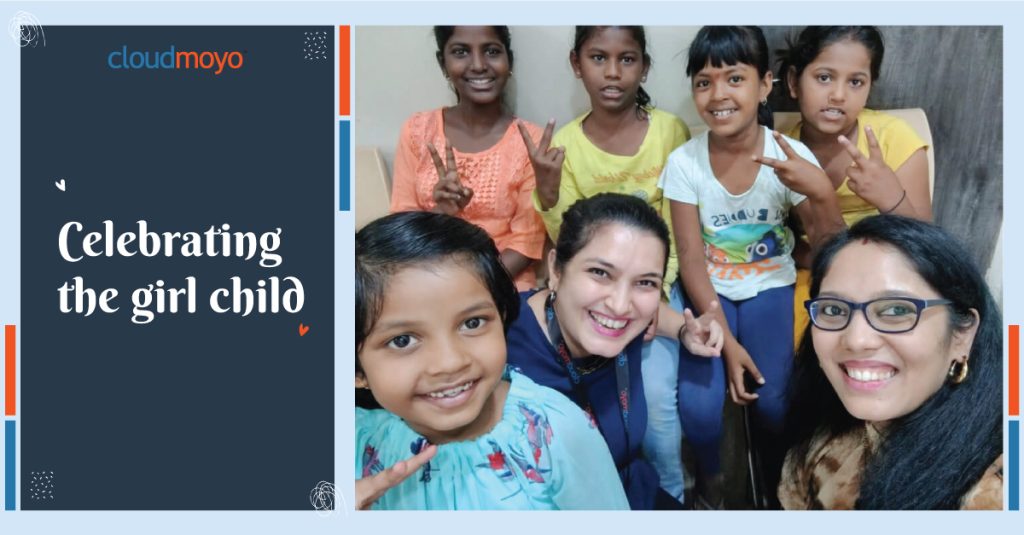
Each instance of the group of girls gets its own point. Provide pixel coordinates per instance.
(494, 400)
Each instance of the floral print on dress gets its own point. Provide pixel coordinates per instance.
(371, 461)
(538, 430)
(496, 461)
(416, 447)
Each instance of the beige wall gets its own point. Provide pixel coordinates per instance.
(396, 75)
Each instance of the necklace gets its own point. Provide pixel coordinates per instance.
(589, 365)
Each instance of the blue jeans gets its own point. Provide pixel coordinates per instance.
(763, 325)
(664, 435)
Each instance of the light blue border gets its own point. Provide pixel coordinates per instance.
(1009, 15)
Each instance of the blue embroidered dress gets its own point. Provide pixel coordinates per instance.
(543, 454)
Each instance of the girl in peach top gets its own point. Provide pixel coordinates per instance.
(468, 160)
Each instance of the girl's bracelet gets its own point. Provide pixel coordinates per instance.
(679, 335)
(898, 203)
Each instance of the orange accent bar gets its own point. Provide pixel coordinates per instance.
(9, 377)
(344, 72)
(1014, 370)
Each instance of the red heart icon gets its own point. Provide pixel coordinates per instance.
(303, 329)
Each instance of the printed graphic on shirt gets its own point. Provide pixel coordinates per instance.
(742, 250)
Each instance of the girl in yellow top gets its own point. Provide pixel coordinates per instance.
(620, 146)
(876, 162)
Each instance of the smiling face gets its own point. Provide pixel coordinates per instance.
(608, 293)
(833, 89)
(611, 65)
(727, 97)
(437, 352)
(476, 63)
(880, 377)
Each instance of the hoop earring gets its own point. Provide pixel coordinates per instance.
(958, 372)
(764, 102)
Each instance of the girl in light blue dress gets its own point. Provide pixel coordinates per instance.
(453, 427)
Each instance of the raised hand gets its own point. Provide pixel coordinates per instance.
(370, 489)
(869, 177)
(795, 172)
(546, 162)
(450, 195)
(702, 336)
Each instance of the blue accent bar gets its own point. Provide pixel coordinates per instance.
(1014, 468)
(344, 162)
(9, 465)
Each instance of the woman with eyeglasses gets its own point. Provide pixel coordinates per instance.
(897, 390)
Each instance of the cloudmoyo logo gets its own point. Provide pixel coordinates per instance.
(174, 59)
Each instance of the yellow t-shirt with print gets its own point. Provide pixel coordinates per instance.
(898, 141)
(587, 170)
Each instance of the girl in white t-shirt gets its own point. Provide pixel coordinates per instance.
(732, 190)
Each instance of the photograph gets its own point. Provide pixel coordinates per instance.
(663, 236)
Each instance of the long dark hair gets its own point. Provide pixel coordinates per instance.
(643, 100)
(931, 457)
(730, 45)
(397, 241)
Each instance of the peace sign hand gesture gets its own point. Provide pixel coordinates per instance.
(702, 336)
(869, 177)
(547, 164)
(450, 195)
(795, 172)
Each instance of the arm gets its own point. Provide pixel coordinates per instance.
(913, 176)
(822, 217)
(568, 193)
(692, 269)
(526, 241)
(514, 262)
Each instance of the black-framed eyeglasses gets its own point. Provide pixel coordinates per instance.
(889, 315)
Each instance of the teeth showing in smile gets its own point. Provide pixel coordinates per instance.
(834, 112)
(608, 322)
(723, 113)
(480, 82)
(451, 392)
(870, 375)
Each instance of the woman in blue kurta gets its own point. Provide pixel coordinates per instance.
(583, 336)
(457, 428)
